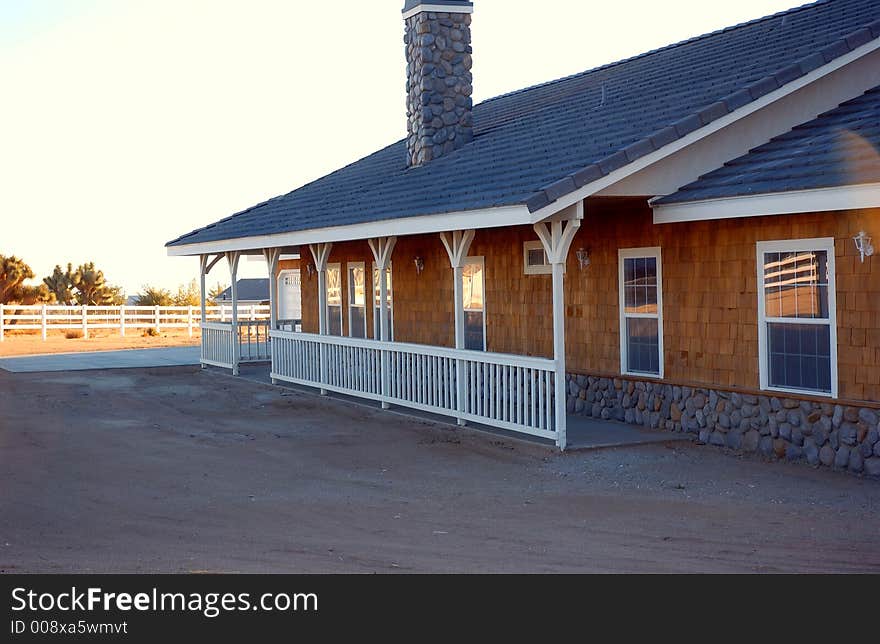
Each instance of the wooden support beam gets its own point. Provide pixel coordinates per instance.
(556, 237)
(233, 257)
(457, 244)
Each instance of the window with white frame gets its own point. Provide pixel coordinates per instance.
(357, 300)
(535, 259)
(334, 299)
(797, 328)
(641, 311)
(472, 292)
(377, 300)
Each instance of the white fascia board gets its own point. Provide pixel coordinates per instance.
(440, 8)
(649, 159)
(464, 219)
(781, 203)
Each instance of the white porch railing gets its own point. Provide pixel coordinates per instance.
(506, 391)
(218, 348)
(253, 340)
(218, 343)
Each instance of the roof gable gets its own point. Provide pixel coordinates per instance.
(839, 148)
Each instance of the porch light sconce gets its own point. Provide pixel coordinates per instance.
(420, 264)
(310, 269)
(583, 257)
(863, 245)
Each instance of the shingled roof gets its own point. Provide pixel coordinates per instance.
(839, 148)
(249, 288)
(535, 145)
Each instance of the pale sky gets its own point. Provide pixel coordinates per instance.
(124, 124)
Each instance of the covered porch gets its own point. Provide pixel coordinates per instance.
(519, 393)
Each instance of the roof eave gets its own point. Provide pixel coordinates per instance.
(849, 197)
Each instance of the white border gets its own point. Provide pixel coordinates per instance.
(630, 253)
(376, 308)
(438, 8)
(279, 284)
(348, 294)
(533, 269)
(796, 245)
(780, 203)
(342, 298)
(482, 262)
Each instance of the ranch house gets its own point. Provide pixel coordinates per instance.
(679, 240)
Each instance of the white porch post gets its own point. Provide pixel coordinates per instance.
(321, 254)
(382, 248)
(232, 258)
(457, 245)
(556, 237)
(203, 273)
(205, 267)
(272, 256)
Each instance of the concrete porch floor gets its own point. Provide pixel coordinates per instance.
(583, 433)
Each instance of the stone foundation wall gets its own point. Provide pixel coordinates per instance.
(818, 433)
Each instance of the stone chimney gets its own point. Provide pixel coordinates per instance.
(439, 83)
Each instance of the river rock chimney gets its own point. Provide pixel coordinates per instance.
(439, 83)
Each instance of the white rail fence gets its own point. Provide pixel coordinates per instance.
(506, 391)
(45, 318)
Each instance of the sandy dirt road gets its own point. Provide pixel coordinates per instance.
(17, 343)
(177, 470)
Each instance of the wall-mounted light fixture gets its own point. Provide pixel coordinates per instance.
(310, 269)
(583, 257)
(863, 244)
(420, 264)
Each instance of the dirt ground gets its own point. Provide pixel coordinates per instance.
(177, 470)
(20, 343)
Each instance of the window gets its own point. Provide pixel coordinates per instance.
(797, 334)
(377, 300)
(535, 259)
(334, 299)
(474, 304)
(641, 312)
(357, 300)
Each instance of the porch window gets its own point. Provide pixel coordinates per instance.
(535, 259)
(797, 334)
(357, 300)
(377, 300)
(474, 304)
(641, 312)
(334, 299)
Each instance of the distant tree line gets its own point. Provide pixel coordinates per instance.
(186, 295)
(85, 285)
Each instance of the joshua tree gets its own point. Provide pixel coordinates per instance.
(60, 283)
(13, 271)
(92, 288)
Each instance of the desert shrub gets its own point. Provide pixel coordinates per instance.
(73, 334)
(150, 333)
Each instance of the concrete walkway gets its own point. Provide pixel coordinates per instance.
(126, 359)
(590, 433)
(583, 433)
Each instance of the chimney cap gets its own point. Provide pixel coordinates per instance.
(412, 7)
